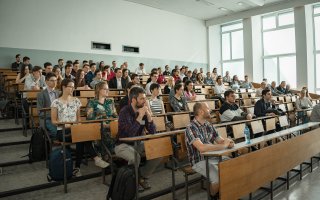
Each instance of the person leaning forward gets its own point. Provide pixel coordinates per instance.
(133, 119)
(200, 137)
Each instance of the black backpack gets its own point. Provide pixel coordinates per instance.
(56, 171)
(123, 184)
(37, 146)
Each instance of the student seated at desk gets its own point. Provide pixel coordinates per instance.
(44, 100)
(133, 120)
(265, 106)
(102, 107)
(303, 102)
(178, 101)
(315, 114)
(230, 111)
(200, 137)
(67, 109)
(24, 73)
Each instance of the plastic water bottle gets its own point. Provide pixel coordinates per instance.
(247, 135)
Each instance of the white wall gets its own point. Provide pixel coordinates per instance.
(71, 25)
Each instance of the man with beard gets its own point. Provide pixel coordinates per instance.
(133, 119)
(200, 137)
(230, 111)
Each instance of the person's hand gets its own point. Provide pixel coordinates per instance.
(227, 143)
(142, 111)
(249, 116)
(86, 87)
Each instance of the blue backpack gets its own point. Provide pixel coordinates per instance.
(56, 165)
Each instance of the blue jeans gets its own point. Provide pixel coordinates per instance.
(52, 129)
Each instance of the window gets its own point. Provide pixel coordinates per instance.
(279, 50)
(316, 20)
(232, 49)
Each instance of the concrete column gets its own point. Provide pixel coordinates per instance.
(252, 43)
(304, 47)
(214, 48)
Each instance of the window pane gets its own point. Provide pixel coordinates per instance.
(286, 19)
(225, 28)
(269, 22)
(288, 72)
(317, 32)
(318, 70)
(279, 42)
(235, 68)
(270, 69)
(237, 44)
(317, 10)
(226, 46)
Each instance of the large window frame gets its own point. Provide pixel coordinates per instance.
(316, 51)
(226, 62)
(276, 56)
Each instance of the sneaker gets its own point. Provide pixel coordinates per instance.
(76, 172)
(145, 184)
(101, 163)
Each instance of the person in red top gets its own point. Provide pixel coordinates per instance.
(161, 79)
(175, 75)
(108, 73)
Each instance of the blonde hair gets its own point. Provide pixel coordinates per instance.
(99, 86)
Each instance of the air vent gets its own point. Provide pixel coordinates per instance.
(130, 49)
(102, 46)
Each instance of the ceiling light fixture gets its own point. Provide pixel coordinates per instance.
(223, 9)
(240, 3)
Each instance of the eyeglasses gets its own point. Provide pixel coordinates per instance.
(69, 86)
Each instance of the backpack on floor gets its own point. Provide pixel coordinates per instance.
(123, 184)
(56, 165)
(37, 146)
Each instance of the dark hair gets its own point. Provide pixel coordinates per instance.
(76, 62)
(47, 64)
(85, 65)
(129, 86)
(135, 91)
(196, 108)
(177, 87)
(265, 91)
(116, 70)
(17, 55)
(96, 72)
(68, 65)
(77, 79)
(64, 83)
(36, 68)
(154, 86)
(55, 68)
(219, 77)
(49, 75)
(92, 64)
(133, 76)
(154, 70)
(228, 92)
(22, 73)
(84, 61)
(124, 70)
(153, 73)
(186, 84)
(141, 64)
(113, 61)
(25, 58)
(60, 59)
(69, 62)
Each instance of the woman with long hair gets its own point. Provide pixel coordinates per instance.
(80, 81)
(57, 71)
(102, 107)
(189, 92)
(24, 73)
(178, 101)
(199, 79)
(67, 109)
(125, 75)
(169, 86)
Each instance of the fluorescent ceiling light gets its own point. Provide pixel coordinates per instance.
(223, 9)
(256, 2)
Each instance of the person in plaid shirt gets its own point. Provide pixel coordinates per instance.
(200, 137)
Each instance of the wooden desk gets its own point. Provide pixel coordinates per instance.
(241, 121)
(146, 138)
(229, 185)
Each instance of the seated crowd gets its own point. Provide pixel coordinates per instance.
(142, 101)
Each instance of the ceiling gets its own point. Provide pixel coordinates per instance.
(206, 9)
